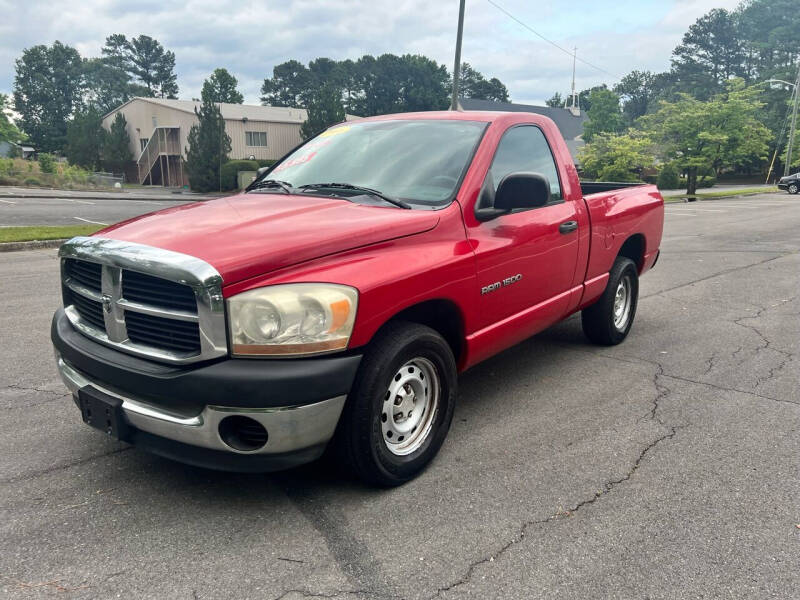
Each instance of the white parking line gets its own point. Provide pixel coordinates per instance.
(78, 201)
(698, 209)
(7, 202)
(88, 221)
(760, 205)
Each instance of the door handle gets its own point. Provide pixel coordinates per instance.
(568, 227)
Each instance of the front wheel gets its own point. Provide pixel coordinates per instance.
(401, 405)
(609, 319)
(793, 189)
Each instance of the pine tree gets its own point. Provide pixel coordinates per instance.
(85, 139)
(208, 149)
(324, 109)
(117, 147)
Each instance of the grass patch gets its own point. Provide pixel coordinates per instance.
(727, 193)
(58, 232)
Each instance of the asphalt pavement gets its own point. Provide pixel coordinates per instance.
(665, 467)
(56, 207)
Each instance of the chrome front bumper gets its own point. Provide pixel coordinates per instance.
(289, 428)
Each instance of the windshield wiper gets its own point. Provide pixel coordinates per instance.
(271, 183)
(357, 188)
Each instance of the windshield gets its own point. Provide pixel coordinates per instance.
(420, 162)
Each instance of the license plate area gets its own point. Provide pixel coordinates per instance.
(103, 412)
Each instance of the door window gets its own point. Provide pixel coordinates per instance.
(525, 148)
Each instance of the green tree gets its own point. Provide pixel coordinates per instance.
(407, 83)
(117, 147)
(721, 133)
(146, 61)
(108, 86)
(208, 149)
(221, 87)
(85, 139)
(47, 89)
(604, 114)
(324, 110)
(288, 86)
(637, 91)
(472, 84)
(555, 101)
(710, 53)
(8, 130)
(612, 157)
(369, 86)
(584, 96)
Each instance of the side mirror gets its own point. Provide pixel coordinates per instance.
(522, 190)
(261, 171)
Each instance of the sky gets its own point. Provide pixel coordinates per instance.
(249, 37)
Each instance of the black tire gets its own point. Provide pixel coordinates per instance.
(360, 442)
(598, 320)
(793, 188)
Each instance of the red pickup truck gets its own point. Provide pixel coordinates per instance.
(332, 304)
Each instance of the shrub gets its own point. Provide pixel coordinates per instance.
(47, 163)
(265, 162)
(32, 181)
(230, 170)
(668, 178)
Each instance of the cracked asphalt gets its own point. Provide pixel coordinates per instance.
(666, 467)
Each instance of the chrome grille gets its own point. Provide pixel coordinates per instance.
(139, 287)
(85, 273)
(180, 336)
(90, 311)
(175, 314)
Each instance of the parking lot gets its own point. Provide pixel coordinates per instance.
(75, 208)
(666, 467)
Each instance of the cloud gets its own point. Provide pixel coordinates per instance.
(250, 37)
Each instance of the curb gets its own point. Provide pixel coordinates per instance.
(32, 245)
(685, 198)
(116, 196)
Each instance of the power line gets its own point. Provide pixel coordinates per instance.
(549, 41)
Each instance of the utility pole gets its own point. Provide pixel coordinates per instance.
(790, 145)
(454, 104)
(574, 58)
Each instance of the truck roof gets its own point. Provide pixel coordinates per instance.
(467, 115)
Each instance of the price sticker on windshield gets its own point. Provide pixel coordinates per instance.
(335, 131)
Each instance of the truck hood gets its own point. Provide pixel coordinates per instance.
(251, 234)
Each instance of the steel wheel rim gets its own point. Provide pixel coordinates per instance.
(622, 303)
(409, 406)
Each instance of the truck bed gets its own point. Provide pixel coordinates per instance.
(595, 187)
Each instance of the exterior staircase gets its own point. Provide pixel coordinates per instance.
(160, 162)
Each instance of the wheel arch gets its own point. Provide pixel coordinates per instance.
(634, 248)
(443, 316)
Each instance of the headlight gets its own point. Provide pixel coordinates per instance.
(292, 319)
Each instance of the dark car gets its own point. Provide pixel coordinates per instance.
(790, 183)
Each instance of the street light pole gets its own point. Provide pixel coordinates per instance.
(454, 105)
(790, 145)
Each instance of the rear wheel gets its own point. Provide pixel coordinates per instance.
(793, 189)
(399, 411)
(608, 321)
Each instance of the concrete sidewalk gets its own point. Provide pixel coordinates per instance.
(154, 193)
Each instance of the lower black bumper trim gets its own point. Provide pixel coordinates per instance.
(233, 382)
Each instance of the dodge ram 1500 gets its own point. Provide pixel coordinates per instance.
(332, 304)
